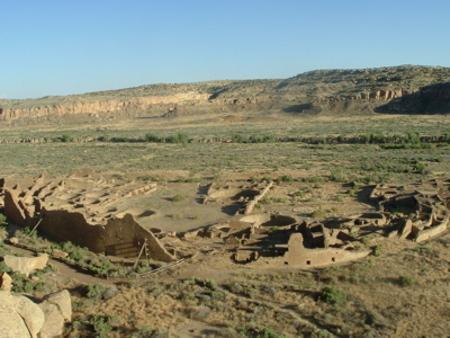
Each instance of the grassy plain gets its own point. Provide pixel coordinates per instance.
(399, 292)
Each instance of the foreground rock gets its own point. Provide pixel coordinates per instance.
(26, 265)
(57, 309)
(5, 282)
(22, 318)
(13, 240)
(19, 316)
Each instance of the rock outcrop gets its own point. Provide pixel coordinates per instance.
(22, 318)
(57, 308)
(330, 91)
(26, 265)
(83, 106)
(19, 316)
(5, 282)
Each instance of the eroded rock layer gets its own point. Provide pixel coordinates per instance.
(404, 89)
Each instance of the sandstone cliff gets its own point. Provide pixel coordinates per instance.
(404, 89)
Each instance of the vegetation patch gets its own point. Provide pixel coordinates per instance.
(332, 295)
(405, 281)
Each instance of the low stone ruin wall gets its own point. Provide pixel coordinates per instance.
(417, 213)
(122, 236)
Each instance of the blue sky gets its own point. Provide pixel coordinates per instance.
(55, 47)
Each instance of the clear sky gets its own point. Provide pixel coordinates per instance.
(55, 47)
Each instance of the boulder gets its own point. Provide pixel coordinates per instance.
(54, 321)
(6, 282)
(57, 308)
(19, 316)
(13, 240)
(406, 229)
(31, 314)
(26, 265)
(56, 253)
(11, 324)
(63, 301)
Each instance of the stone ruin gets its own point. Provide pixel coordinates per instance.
(87, 212)
(254, 236)
(417, 213)
(245, 198)
(95, 213)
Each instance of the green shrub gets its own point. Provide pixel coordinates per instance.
(4, 268)
(261, 138)
(101, 325)
(206, 283)
(102, 138)
(119, 139)
(95, 291)
(286, 179)
(177, 138)
(24, 284)
(152, 138)
(376, 250)
(413, 138)
(75, 252)
(98, 265)
(64, 138)
(332, 295)
(145, 332)
(337, 175)
(237, 138)
(176, 198)
(2, 219)
(419, 168)
(406, 146)
(256, 332)
(30, 233)
(312, 179)
(405, 281)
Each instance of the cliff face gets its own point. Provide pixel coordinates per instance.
(405, 89)
(433, 99)
(98, 107)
